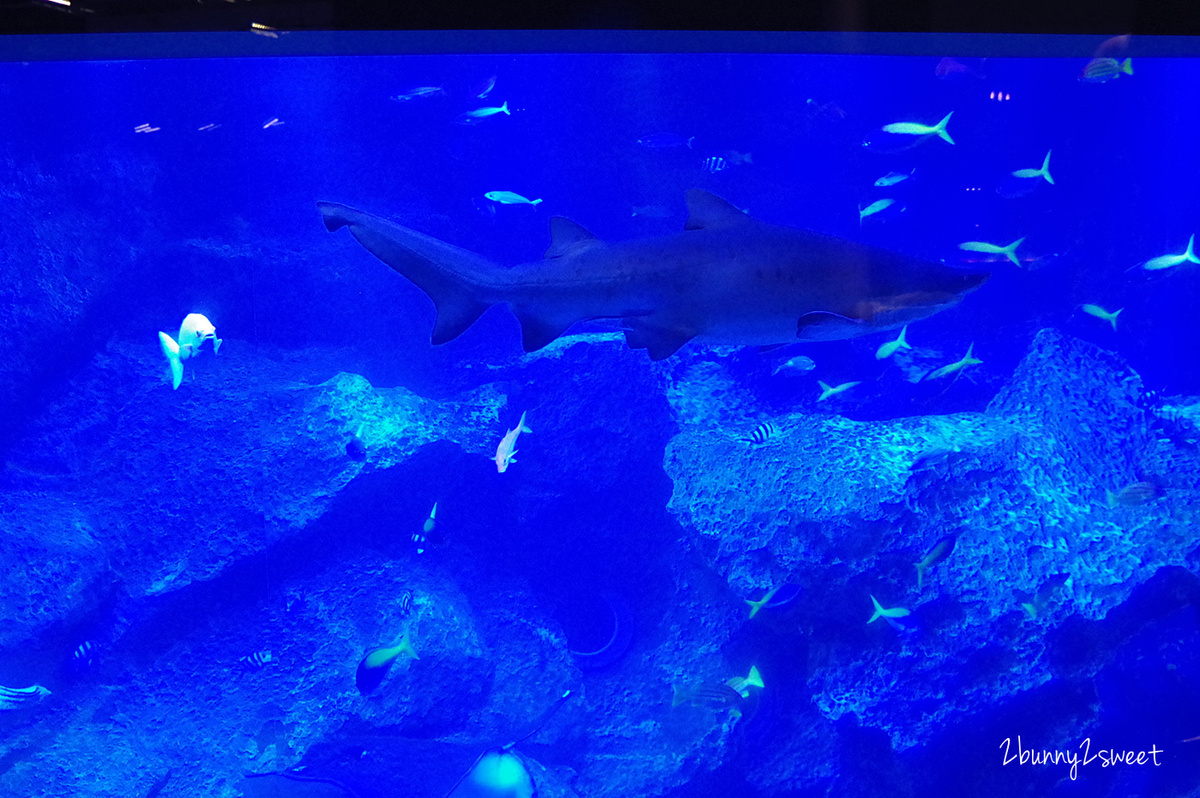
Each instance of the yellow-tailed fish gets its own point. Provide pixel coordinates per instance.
(827, 391)
(375, 664)
(1009, 252)
(1168, 261)
(880, 612)
(938, 553)
(888, 349)
(967, 360)
(1034, 173)
(755, 606)
(875, 207)
(1101, 313)
(917, 129)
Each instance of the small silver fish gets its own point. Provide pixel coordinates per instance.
(479, 114)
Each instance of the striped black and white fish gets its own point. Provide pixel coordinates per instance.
(715, 164)
(256, 661)
(762, 433)
(406, 604)
(83, 656)
(16, 697)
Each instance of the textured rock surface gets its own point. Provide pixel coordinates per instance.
(836, 506)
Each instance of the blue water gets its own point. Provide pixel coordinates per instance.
(626, 499)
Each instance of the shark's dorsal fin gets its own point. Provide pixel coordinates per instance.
(565, 234)
(708, 211)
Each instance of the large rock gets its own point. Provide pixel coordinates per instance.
(846, 508)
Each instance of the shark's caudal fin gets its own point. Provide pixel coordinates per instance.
(171, 350)
(452, 277)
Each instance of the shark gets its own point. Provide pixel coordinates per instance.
(726, 278)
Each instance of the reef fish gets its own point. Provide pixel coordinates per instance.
(1109, 316)
(727, 278)
(508, 445)
(16, 697)
(968, 359)
(510, 198)
(1134, 494)
(938, 553)
(880, 612)
(1044, 172)
(479, 114)
(1102, 70)
(375, 664)
(761, 434)
(195, 330)
(889, 348)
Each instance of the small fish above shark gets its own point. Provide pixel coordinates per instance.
(726, 278)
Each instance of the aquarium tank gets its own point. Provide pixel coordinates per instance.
(599, 415)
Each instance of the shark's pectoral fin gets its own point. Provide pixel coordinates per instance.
(660, 341)
(539, 329)
(821, 325)
(449, 275)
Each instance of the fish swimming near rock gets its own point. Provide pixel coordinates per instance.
(83, 657)
(761, 434)
(893, 612)
(17, 697)
(428, 531)
(727, 278)
(828, 390)
(936, 554)
(508, 445)
(968, 359)
(256, 661)
(376, 662)
(727, 695)
(1134, 494)
(195, 330)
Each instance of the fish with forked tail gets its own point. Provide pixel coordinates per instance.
(727, 278)
(376, 662)
(508, 445)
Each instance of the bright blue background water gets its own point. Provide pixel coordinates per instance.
(1124, 161)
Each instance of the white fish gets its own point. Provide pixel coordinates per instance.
(875, 207)
(418, 91)
(510, 198)
(471, 117)
(958, 365)
(1101, 313)
(892, 178)
(195, 330)
(827, 391)
(1035, 173)
(888, 349)
(917, 129)
(273, 122)
(1009, 252)
(1168, 261)
(507, 449)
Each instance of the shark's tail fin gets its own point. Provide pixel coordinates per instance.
(452, 277)
(171, 350)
